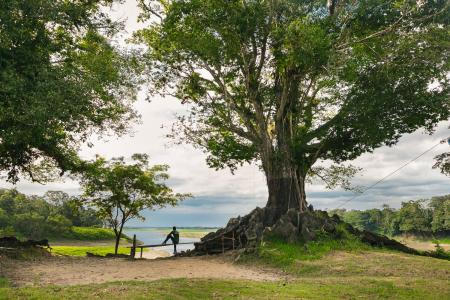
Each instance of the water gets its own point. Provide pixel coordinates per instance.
(151, 236)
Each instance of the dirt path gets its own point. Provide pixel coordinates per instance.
(424, 246)
(83, 270)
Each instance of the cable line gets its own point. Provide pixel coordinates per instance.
(393, 172)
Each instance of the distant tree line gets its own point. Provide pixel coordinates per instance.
(41, 217)
(416, 217)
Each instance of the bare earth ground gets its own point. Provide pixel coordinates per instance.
(422, 245)
(83, 270)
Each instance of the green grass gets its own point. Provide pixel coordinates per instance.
(89, 234)
(351, 274)
(283, 255)
(3, 282)
(442, 240)
(81, 250)
(81, 234)
(232, 289)
(325, 269)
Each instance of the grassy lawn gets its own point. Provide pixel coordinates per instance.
(316, 288)
(81, 250)
(337, 274)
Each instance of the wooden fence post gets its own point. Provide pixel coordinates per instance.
(133, 249)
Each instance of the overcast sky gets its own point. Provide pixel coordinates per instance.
(220, 195)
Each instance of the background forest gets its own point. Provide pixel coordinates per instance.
(58, 215)
(423, 217)
(54, 215)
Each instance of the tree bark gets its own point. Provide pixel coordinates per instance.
(118, 236)
(286, 184)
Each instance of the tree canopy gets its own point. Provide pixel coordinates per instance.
(291, 83)
(120, 190)
(418, 217)
(61, 79)
(443, 162)
(50, 216)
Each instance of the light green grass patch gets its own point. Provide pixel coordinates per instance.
(81, 250)
(88, 234)
(442, 240)
(91, 234)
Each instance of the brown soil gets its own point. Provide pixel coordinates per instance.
(423, 245)
(84, 270)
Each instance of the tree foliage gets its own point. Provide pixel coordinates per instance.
(443, 162)
(292, 83)
(427, 217)
(50, 216)
(61, 79)
(120, 190)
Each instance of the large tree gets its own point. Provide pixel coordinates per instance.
(61, 79)
(290, 83)
(443, 161)
(120, 190)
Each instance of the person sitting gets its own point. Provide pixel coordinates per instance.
(174, 236)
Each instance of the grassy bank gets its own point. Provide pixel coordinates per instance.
(283, 255)
(81, 250)
(87, 234)
(100, 241)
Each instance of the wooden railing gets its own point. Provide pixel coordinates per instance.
(134, 246)
(223, 238)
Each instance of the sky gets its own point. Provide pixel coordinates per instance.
(220, 195)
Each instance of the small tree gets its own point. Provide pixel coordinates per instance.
(120, 191)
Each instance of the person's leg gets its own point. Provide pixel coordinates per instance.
(174, 245)
(167, 238)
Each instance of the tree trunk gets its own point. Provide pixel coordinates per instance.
(118, 235)
(285, 173)
(286, 187)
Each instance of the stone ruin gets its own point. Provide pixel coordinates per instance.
(249, 231)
